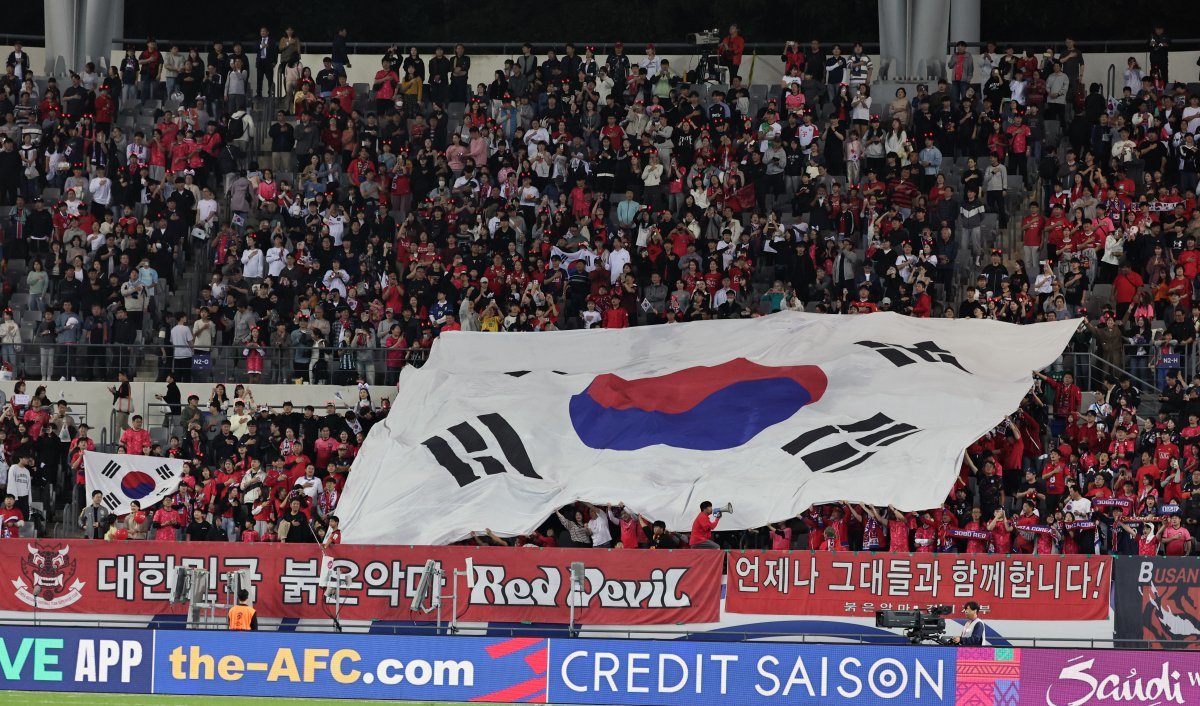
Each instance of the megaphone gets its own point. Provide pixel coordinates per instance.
(726, 510)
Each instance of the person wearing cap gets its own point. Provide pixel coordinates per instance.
(650, 63)
(617, 64)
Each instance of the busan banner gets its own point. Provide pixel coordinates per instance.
(860, 583)
(770, 414)
(509, 585)
(1157, 600)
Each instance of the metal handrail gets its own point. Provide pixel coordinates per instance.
(513, 47)
(103, 361)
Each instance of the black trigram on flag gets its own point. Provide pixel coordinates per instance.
(507, 440)
(163, 472)
(110, 470)
(925, 351)
(111, 502)
(834, 448)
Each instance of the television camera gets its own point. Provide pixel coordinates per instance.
(708, 68)
(919, 626)
(705, 37)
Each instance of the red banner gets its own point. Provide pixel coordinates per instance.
(860, 583)
(510, 585)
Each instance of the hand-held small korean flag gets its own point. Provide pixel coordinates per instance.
(123, 478)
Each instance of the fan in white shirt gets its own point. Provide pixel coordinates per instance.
(337, 225)
(100, 187)
(336, 278)
(650, 63)
(206, 209)
(590, 316)
(252, 262)
(535, 135)
(137, 153)
(276, 258)
(617, 259)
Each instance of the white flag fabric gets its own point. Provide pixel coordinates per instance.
(124, 478)
(773, 414)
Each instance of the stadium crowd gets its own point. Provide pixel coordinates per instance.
(574, 191)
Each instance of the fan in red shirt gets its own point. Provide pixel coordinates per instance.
(1189, 259)
(922, 307)
(615, 316)
(632, 534)
(12, 518)
(1149, 540)
(325, 447)
(925, 538)
(1032, 227)
(898, 527)
(1164, 451)
(1067, 398)
(136, 440)
(703, 526)
(1054, 476)
(1001, 529)
(976, 546)
(839, 521)
(1027, 518)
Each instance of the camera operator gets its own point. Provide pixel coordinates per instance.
(973, 630)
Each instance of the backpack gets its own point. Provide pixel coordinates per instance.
(235, 128)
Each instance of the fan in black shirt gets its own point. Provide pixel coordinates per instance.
(300, 531)
(660, 538)
(199, 529)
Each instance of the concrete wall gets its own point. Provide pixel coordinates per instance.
(767, 68)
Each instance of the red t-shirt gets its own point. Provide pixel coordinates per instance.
(842, 527)
(1125, 287)
(1175, 548)
(975, 546)
(1055, 481)
(1022, 544)
(1190, 259)
(1163, 453)
(702, 528)
(326, 449)
(1001, 539)
(926, 538)
(898, 535)
(781, 539)
(1031, 230)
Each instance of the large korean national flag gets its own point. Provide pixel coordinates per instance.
(123, 478)
(773, 414)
